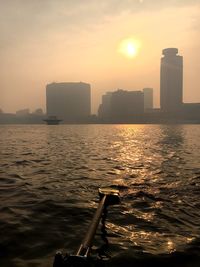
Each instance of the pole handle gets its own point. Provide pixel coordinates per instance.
(87, 242)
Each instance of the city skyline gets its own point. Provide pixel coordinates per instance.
(166, 52)
(171, 91)
(70, 102)
(57, 41)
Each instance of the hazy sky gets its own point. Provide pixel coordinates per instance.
(42, 41)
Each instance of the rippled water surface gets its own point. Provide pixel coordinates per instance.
(49, 180)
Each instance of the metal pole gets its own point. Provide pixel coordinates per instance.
(108, 196)
(87, 242)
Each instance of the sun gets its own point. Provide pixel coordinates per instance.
(129, 47)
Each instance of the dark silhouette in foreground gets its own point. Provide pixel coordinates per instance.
(108, 197)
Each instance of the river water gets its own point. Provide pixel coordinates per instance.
(49, 180)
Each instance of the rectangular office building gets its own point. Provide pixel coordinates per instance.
(69, 101)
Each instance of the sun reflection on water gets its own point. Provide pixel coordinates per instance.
(170, 246)
(146, 240)
(152, 165)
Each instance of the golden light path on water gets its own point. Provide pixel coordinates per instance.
(130, 234)
(53, 175)
(132, 151)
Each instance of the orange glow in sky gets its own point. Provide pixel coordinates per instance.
(109, 44)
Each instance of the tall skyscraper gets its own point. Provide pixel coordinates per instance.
(171, 80)
(69, 101)
(148, 98)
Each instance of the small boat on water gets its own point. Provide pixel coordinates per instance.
(52, 120)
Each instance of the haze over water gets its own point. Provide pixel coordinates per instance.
(49, 179)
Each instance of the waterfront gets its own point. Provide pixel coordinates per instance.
(49, 179)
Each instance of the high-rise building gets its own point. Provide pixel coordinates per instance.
(126, 104)
(122, 106)
(148, 98)
(69, 101)
(171, 80)
(104, 108)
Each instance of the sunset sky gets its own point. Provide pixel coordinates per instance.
(42, 41)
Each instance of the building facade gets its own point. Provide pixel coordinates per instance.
(122, 106)
(69, 101)
(148, 98)
(104, 108)
(171, 81)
